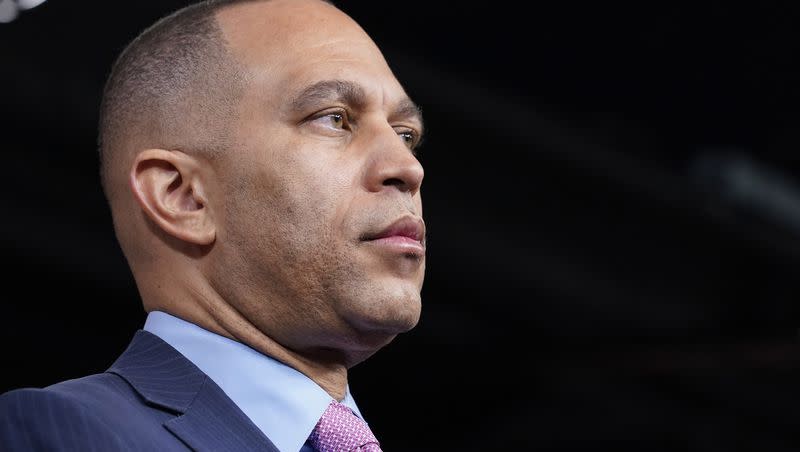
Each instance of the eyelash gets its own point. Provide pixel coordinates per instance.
(345, 118)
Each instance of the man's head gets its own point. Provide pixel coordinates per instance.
(258, 158)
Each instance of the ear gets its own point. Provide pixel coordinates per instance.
(168, 186)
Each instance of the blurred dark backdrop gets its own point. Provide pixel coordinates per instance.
(611, 194)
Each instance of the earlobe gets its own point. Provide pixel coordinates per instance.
(168, 186)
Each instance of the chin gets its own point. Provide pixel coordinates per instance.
(377, 320)
(387, 312)
(374, 334)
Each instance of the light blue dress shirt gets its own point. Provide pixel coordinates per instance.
(282, 402)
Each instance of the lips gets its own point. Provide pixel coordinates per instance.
(406, 235)
(410, 227)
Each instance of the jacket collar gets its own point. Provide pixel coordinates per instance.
(206, 418)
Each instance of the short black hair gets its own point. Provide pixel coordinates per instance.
(173, 80)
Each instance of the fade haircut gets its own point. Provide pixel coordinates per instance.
(175, 86)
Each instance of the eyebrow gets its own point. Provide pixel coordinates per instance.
(349, 93)
(408, 109)
(327, 90)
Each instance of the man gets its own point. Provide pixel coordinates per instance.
(259, 161)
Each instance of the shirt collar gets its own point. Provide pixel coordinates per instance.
(282, 402)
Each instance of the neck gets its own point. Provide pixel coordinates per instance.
(330, 376)
(217, 316)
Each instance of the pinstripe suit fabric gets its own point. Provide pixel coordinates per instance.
(151, 399)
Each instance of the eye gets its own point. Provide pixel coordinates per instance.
(336, 120)
(409, 137)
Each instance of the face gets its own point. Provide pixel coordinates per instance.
(320, 241)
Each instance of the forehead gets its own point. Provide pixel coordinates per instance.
(291, 44)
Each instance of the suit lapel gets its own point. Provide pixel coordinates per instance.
(213, 422)
(206, 418)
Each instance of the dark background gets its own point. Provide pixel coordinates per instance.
(612, 206)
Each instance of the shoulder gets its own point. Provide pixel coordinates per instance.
(82, 414)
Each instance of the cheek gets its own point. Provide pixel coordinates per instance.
(301, 189)
(320, 187)
(309, 203)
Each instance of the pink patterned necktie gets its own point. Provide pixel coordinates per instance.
(340, 430)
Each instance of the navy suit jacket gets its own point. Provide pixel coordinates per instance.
(151, 399)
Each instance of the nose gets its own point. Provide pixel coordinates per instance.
(394, 166)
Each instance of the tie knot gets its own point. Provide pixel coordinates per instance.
(340, 430)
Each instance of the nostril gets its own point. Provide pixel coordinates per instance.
(394, 181)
